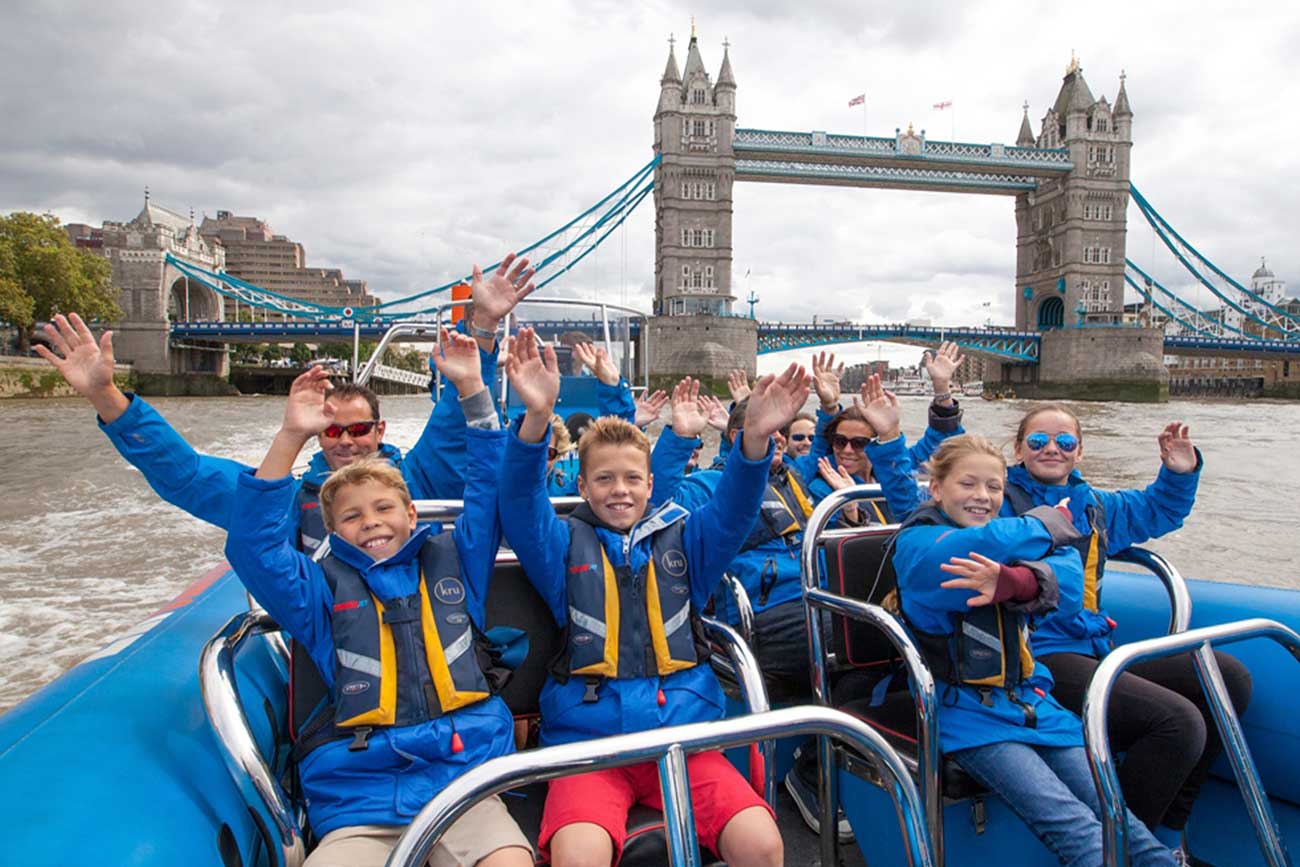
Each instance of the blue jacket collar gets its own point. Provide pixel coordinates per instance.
(318, 471)
(364, 563)
(1020, 477)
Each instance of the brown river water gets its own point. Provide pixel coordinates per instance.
(87, 549)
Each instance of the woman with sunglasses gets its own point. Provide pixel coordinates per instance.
(1158, 715)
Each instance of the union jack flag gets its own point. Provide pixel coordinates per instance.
(947, 103)
(858, 100)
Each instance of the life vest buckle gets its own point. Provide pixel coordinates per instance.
(590, 696)
(986, 696)
(360, 738)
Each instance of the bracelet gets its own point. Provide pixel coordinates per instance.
(947, 395)
(485, 333)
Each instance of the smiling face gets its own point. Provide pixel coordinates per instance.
(970, 491)
(800, 427)
(345, 449)
(616, 483)
(372, 516)
(848, 456)
(1051, 464)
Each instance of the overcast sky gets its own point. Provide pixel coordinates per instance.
(403, 141)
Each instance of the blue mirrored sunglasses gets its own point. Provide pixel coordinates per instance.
(798, 438)
(1066, 442)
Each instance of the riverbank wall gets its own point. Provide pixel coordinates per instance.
(21, 376)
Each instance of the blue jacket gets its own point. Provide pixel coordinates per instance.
(1132, 517)
(204, 485)
(712, 536)
(964, 721)
(562, 479)
(404, 766)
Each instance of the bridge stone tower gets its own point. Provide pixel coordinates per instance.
(693, 331)
(152, 294)
(1070, 253)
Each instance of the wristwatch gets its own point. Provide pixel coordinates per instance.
(485, 333)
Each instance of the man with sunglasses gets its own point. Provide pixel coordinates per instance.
(204, 485)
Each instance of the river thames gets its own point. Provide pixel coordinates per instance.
(87, 549)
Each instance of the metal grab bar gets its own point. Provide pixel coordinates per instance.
(1180, 600)
(397, 329)
(1200, 641)
(664, 746)
(244, 762)
(928, 765)
(749, 677)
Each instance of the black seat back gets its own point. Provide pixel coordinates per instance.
(512, 601)
(857, 567)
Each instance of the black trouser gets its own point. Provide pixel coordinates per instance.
(1160, 719)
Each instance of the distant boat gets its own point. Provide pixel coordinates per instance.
(973, 389)
(910, 386)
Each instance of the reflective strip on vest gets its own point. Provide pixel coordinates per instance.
(662, 629)
(777, 517)
(366, 664)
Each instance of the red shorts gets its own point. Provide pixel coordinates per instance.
(718, 793)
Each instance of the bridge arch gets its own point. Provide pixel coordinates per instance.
(191, 301)
(1051, 314)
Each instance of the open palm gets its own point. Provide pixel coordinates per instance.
(497, 294)
(534, 373)
(87, 365)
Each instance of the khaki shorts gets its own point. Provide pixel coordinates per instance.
(486, 828)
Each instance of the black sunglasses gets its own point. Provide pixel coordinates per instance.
(840, 441)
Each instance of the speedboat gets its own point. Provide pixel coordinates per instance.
(171, 745)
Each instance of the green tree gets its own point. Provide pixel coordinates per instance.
(300, 354)
(42, 273)
(271, 351)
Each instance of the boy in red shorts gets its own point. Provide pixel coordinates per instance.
(627, 586)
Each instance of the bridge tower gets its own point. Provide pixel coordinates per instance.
(693, 331)
(1070, 252)
(152, 294)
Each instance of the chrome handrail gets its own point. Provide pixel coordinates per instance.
(1200, 642)
(396, 329)
(744, 609)
(250, 772)
(1180, 600)
(664, 747)
(749, 677)
(922, 682)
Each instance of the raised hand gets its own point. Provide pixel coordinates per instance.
(649, 406)
(1176, 450)
(456, 357)
(535, 376)
(826, 379)
(715, 410)
(597, 360)
(738, 385)
(87, 365)
(306, 413)
(839, 478)
(498, 294)
(880, 408)
(775, 401)
(688, 420)
(977, 573)
(942, 365)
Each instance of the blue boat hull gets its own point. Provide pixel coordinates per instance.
(116, 761)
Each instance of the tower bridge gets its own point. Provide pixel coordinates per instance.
(1069, 184)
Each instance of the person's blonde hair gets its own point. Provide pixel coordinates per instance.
(609, 430)
(953, 449)
(374, 469)
(560, 439)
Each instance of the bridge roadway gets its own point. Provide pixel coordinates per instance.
(1015, 346)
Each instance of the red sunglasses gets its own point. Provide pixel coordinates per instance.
(356, 429)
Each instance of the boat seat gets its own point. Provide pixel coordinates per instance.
(858, 567)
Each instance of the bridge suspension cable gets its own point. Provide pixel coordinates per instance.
(588, 230)
(1210, 324)
(1282, 320)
